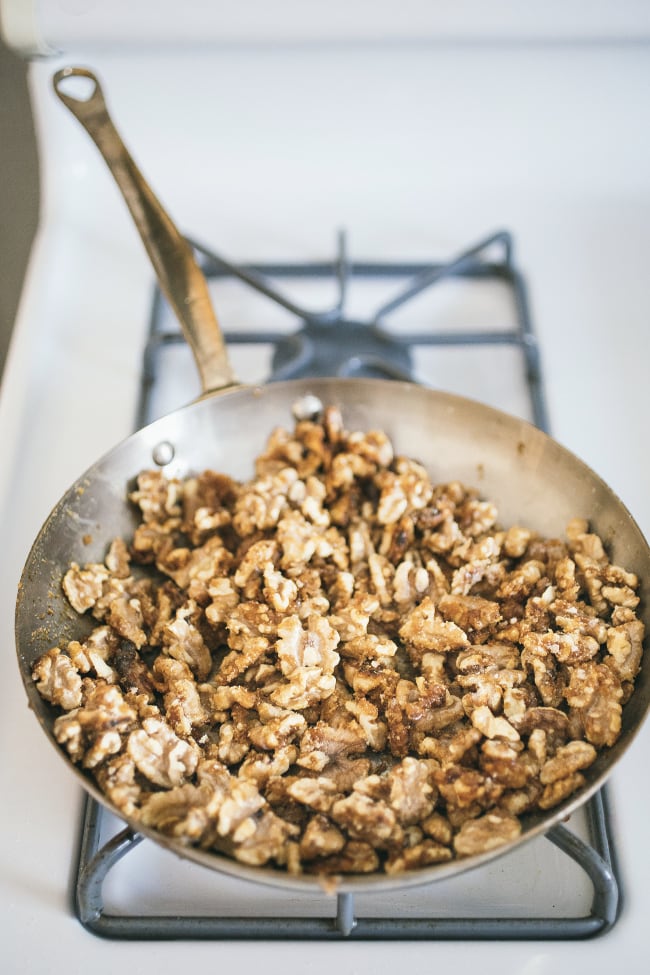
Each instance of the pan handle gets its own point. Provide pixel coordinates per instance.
(178, 273)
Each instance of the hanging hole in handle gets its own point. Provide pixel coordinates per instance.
(76, 85)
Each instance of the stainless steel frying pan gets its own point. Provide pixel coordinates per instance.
(534, 481)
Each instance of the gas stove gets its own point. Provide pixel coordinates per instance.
(399, 316)
(301, 141)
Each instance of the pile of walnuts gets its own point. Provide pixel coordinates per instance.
(338, 666)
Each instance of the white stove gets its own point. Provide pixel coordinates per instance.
(263, 153)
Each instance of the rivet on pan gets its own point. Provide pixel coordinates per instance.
(308, 407)
(163, 453)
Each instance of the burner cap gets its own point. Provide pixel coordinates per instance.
(342, 348)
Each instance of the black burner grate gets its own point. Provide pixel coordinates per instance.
(359, 348)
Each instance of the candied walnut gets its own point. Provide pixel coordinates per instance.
(318, 794)
(469, 612)
(124, 615)
(158, 498)
(516, 541)
(507, 765)
(242, 801)
(183, 641)
(484, 571)
(492, 726)
(565, 578)
(557, 791)
(183, 708)
(161, 756)
(568, 759)
(103, 709)
(486, 833)
(105, 744)
(118, 559)
(277, 727)
(117, 778)
(450, 747)
(543, 664)
(300, 540)
(279, 592)
(207, 500)
(323, 743)
(375, 446)
(351, 621)
(355, 857)
(572, 616)
(261, 502)
(406, 489)
(261, 767)
(367, 820)
(83, 587)
(488, 658)
(422, 854)
(307, 659)
(409, 583)
(133, 674)
(95, 653)
(568, 648)
(464, 788)
(423, 630)
(224, 598)
(251, 627)
(521, 581)
(411, 795)
(516, 802)
(234, 737)
(321, 838)
(477, 517)
(198, 566)
(625, 648)
(620, 596)
(186, 811)
(594, 694)
(265, 840)
(438, 828)
(57, 679)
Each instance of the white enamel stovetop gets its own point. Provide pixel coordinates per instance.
(417, 150)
